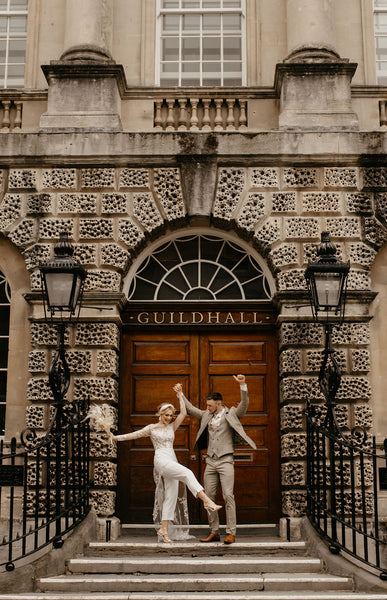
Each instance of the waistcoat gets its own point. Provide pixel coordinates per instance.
(220, 440)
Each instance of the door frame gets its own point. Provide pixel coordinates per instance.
(235, 317)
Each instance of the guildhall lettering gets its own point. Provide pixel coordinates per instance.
(197, 318)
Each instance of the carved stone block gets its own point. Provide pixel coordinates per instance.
(103, 501)
(293, 474)
(95, 228)
(292, 279)
(320, 202)
(301, 227)
(97, 334)
(50, 229)
(284, 255)
(293, 445)
(134, 178)
(354, 388)
(105, 474)
(37, 361)
(284, 202)
(44, 334)
(97, 178)
(374, 177)
(36, 417)
(100, 446)
(36, 254)
(167, 186)
(268, 234)
(300, 334)
(10, 210)
(77, 203)
(313, 360)
(59, 178)
(375, 233)
(363, 415)
(290, 361)
(340, 177)
(114, 255)
(358, 280)
(146, 211)
(252, 210)
(296, 389)
(39, 390)
(24, 234)
(344, 227)
(39, 204)
(292, 416)
(86, 254)
(359, 203)
(362, 254)
(129, 233)
(381, 206)
(230, 186)
(264, 177)
(102, 389)
(107, 362)
(22, 179)
(79, 361)
(300, 177)
(294, 503)
(103, 280)
(115, 203)
(361, 360)
(351, 333)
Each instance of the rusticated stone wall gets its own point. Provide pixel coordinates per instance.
(110, 213)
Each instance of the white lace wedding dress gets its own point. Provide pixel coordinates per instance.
(171, 479)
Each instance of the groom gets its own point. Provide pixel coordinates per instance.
(218, 428)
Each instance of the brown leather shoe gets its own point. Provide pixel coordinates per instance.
(229, 539)
(213, 537)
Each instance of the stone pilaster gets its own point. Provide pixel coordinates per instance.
(85, 85)
(314, 82)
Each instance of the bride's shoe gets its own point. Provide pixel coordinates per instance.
(164, 537)
(212, 507)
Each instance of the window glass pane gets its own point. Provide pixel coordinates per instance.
(169, 81)
(3, 385)
(191, 273)
(18, 24)
(3, 4)
(171, 22)
(232, 22)
(211, 48)
(3, 24)
(211, 22)
(170, 49)
(170, 4)
(3, 352)
(234, 68)
(2, 419)
(4, 320)
(3, 44)
(211, 67)
(190, 49)
(17, 51)
(19, 4)
(381, 47)
(166, 292)
(211, 3)
(15, 76)
(231, 3)
(211, 81)
(232, 48)
(187, 80)
(190, 3)
(381, 22)
(190, 68)
(191, 23)
(231, 291)
(380, 3)
(177, 280)
(188, 248)
(230, 81)
(170, 67)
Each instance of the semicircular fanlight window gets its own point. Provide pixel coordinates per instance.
(199, 268)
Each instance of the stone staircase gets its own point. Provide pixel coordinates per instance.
(136, 567)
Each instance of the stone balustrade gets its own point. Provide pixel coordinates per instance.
(383, 113)
(200, 114)
(11, 111)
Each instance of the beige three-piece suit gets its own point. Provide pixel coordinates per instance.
(219, 434)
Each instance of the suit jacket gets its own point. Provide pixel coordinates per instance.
(232, 417)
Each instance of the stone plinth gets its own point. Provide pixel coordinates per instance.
(314, 86)
(83, 94)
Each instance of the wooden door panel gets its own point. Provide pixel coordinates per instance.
(202, 362)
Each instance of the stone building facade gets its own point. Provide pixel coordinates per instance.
(95, 145)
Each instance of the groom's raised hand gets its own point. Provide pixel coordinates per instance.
(241, 379)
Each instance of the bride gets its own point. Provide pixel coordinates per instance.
(162, 435)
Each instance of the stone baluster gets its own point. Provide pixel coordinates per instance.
(230, 115)
(182, 115)
(206, 115)
(18, 117)
(158, 120)
(194, 114)
(218, 115)
(171, 115)
(6, 122)
(242, 115)
(383, 114)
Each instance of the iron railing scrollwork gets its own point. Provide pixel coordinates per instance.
(44, 484)
(343, 478)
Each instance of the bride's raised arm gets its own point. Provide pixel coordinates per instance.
(134, 435)
(178, 388)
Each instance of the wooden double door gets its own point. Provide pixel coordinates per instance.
(203, 362)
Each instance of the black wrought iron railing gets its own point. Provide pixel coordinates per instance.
(44, 484)
(345, 471)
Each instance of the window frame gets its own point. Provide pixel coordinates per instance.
(160, 12)
(7, 289)
(7, 37)
(379, 10)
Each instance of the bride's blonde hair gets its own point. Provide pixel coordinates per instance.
(162, 408)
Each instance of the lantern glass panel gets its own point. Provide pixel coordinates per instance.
(59, 287)
(328, 289)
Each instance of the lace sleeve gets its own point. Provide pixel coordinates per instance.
(134, 435)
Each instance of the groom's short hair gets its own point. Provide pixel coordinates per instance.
(215, 396)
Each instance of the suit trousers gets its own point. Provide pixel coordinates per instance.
(173, 473)
(221, 470)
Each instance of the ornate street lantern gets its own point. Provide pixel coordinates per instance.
(326, 278)
(62, 280)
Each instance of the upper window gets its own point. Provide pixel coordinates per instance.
(200, 268)
(380, 20)
(13, 35)
(5, 299)
(201, 43)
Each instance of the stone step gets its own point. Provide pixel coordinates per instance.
(229, 564)
(260, 530)
(151, 546)
(261, 595)
(198, 583)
